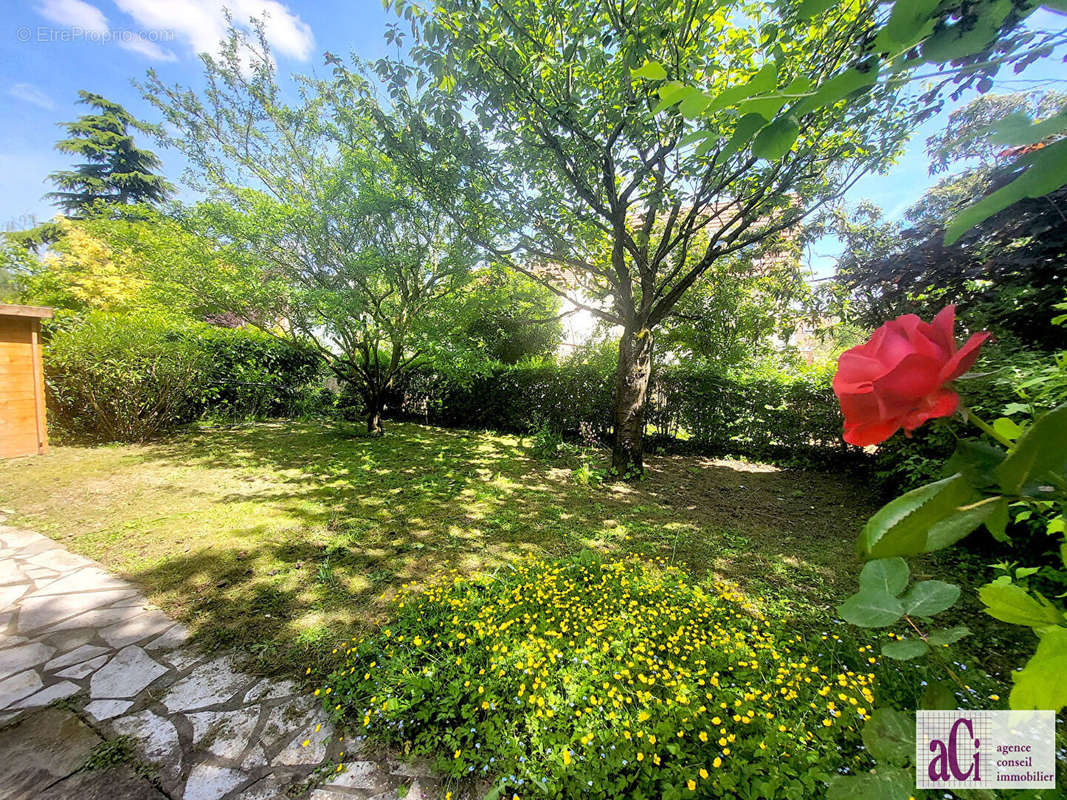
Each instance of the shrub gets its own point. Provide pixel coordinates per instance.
(127, 378)
(254, 375)
(1016, 384)
(583, 678)
(788, 419)
(115, 378)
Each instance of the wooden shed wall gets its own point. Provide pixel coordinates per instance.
(22, 406)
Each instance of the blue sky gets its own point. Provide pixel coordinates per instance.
(52, 48)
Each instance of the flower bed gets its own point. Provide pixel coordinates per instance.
(608, 679)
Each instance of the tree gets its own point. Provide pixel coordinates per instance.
(115, 171)
(81, 272)
(541, 121)
(517, 318)
(323, 239)
(728, 319)
(1006, 272)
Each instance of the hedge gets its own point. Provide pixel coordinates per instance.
(694, 409)
(127, 378)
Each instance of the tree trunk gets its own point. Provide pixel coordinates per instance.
(374, 416)
(631, 391)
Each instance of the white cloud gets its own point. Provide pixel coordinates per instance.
(75, 14)
(31, 94)
(147, 48)
(202, 23)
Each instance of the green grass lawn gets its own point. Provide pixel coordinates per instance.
(283, 538)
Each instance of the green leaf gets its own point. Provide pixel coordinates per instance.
(924, 519)
(672, 93)
(953, 42)
(1018, 129)
(762, 82)
(1042, 449)
(883, 783)
(870, 608)
(938, 696)
(997, 523)
(765, 80)
(776, 139)
(890, 735)
(976, 460)
(927, 598)
(766, 107)
(909, 22)
(743, 133)
(1013, 604)
(812, 8)
(904, 649)
(1007, 428)
(651, 70)
(694, 136)
(889, 575)
(836, 89)
(1040, 683)
(1047, 171)
(947, 636)
(693, 105)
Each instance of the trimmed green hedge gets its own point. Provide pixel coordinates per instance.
(787, 419)
(127, 378)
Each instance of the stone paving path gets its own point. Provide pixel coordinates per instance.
(68, 629)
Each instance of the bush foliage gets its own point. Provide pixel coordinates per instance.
(585, 678)
(127, 378)
(777, 417)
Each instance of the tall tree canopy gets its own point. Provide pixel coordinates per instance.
(115, 171)
(323, 239)
(541, 129)
(1005, 273)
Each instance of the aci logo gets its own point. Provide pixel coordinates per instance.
(985, 749)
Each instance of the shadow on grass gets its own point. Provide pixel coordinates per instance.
(351, 519)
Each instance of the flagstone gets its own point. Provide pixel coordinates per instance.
(55, 557)
(76, 656)
(156, 738)
(210, 734)
(96, 618)
(270, 690)
(67, 639)
(101, 710)
(207, 685)
(224, 733)
(175, 637)
(209, 782)
(307, 747)
(19, 686)
(84, 668)
(40, 749)
(87, 579)
(135, 629)
(9, 594)
(16, 659)
(50, 694)
(130, 671)
(37, 612)
(357, 775)
(11, 573)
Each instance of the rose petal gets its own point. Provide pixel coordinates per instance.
(942, 404)
(856, 371)
(944, 328)
(869, 433)
(901, 389)
(964, 357)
